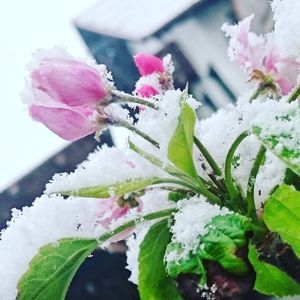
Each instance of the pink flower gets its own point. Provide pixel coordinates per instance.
(253, 52)
(148, 64)
(70, 123)
(147, 91)
(246, 48)
(111, 210)
(156, 74)
(64, 93)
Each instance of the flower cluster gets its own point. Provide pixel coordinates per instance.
(205, 206)
(261, 57)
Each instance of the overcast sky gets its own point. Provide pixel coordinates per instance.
(24, 27)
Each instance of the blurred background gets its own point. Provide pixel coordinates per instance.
(111, 31)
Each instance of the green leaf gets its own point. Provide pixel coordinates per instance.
(291, 178)
(282, 215)
(225, 235)
(281, 135)
(52, 270)
(270, 280)
(191, 264)
(180, 148)
(154, 283)
(116, 189)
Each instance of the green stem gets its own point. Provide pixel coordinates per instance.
(295, 94)
(197, 185)
(176, 181)
(229, 183)
(211, 187)
(267, 84)
(121, 97)
(208, 157)
(141, 219)
(251, 211)
(256, 93)
(132, 128)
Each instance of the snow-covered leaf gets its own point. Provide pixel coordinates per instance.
(280, 132)
(117, 189)
(225, 235)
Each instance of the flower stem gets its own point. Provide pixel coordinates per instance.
(251, 211)
(229, 183)
(176, 181)
(295, 94)
(140, 219)
(257, 92)
(124, 124)
(122, 97)
(208, 157)
(197, 185)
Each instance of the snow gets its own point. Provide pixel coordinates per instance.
(219, 132)
(104, 167)
(48, 220)
(286, 17)
(189, 224)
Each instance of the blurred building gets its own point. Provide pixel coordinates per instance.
(113, 31)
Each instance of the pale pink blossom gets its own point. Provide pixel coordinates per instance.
(71, 123)
(253, 52)
(63, 94)
(109, 210)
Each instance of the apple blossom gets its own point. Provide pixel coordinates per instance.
(63, 94)
(156, 74)
(253, 52)
(114, 208)
(148, 64)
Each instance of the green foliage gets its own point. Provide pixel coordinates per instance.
(176, 196)
(292, 178)
(281, 136)
(181, 144)
(52, 270)
(154, 284)
(225, 234)
(117, 189)
(282, 215)
(270, 280)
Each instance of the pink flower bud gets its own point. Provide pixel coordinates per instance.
(64, 92)
(148, 64)
(110, 211)
(147, 91)
(70, 123)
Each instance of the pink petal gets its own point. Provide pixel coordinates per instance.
(148, 64)
(69, 124)
(147, 91)
(70, 82)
